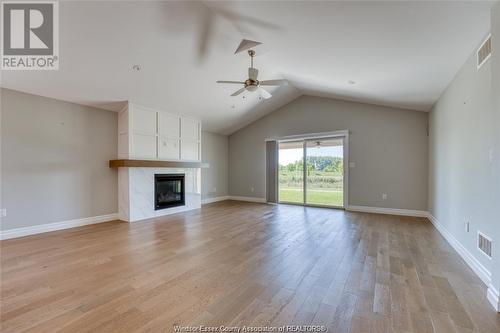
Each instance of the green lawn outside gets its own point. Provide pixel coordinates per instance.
(314, 196)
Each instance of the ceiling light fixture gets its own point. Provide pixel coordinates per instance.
(136, 68)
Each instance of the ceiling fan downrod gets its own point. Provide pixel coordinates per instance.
(251, 53)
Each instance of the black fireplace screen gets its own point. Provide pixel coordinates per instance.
(169, 191)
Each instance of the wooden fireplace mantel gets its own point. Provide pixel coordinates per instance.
(126, 163)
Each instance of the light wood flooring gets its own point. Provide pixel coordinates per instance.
(236, 264)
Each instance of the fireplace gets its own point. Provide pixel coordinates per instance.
(169, 191)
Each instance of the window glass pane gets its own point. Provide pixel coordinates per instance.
(291, 172)
(325, 170)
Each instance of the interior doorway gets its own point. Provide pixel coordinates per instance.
(312, 171)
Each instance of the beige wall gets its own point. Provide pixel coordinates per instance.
(55, 160)
(388, 146)
(462, 183)
(214, 150)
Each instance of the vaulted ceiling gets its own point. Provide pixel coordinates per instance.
(400, 54)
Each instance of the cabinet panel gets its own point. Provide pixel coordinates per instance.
(168, 148)
(189, 129)
(143, 145)
(168, 125)
(143, 120)
(158, 134)
(190, 150)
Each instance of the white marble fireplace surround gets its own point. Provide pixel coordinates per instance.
(136, 192)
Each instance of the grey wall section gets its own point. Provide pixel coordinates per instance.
(388, 146)
(214, 180)
(461, 180)
(495, 87)
(55, 160)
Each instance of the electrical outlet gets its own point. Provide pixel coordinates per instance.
(467, 226)
(352, 164)
(252, 189)
(214, 189)
(384, 196)
(3, 212)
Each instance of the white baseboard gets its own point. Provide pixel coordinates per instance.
(232, 197)
(481, 271)
(388, 211)
(494, 297)
(216, 199)
(38, 229)
(248, 199)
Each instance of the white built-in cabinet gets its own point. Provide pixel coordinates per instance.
(145, 133)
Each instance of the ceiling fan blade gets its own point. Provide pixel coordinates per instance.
(235, 18)
(206, 27)
(237, 92)
(273, 83)
(265, 94)
(253, 73)
(232, 82)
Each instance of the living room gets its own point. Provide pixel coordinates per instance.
(260, 165)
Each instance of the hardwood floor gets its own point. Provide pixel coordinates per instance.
(235, 264)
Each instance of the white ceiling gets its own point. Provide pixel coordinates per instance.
(399, 54)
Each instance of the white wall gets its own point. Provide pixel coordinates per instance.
(214, 180)
(55, 160)
(388, 145)
(463, 184)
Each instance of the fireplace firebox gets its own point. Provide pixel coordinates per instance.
(169, 191)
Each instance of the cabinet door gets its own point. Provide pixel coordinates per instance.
(168, 149)
(190, 150)
(189, 129)
(143, 120)
(143, 145)
(168, 125)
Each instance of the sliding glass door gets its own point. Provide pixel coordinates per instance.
(291, 172)
(321, 182)
(325, 172)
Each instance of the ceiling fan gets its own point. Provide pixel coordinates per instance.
(252, 84)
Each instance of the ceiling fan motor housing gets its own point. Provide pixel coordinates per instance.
(251, 85)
